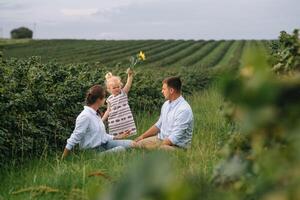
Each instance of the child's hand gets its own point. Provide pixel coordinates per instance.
(123, 135)
(130, 72)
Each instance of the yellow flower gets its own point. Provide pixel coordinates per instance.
(137, 58)
(142, 56)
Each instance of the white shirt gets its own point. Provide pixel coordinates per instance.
(89, 131)
(176, 122)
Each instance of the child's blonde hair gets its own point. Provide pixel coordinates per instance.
(109, 77)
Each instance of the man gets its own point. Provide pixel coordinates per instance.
(175, 125)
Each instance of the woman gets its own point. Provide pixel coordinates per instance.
(89, 130)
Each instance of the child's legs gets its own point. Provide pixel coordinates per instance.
(119, 143)
(107, 149)
(115, 149)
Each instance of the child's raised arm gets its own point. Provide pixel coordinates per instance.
(129, 80)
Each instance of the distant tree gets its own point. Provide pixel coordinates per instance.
(21, 32)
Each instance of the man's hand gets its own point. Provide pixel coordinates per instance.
(149, 133)
(123, 135)
(139, 138)
(167, 142)
(65, 153)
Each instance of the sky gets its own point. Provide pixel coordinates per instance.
(150, 19)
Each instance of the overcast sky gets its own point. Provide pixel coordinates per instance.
(151, 19)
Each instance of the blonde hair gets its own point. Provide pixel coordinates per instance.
(108, 75)
(110, 78)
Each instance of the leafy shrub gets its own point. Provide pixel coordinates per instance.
(286, 52)
(39, 102)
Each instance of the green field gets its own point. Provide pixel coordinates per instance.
(71, 177)
(160, 53)
(38, 93)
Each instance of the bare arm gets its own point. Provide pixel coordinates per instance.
(150, 132)
(129, 81)
(105, 116)
(65, 153)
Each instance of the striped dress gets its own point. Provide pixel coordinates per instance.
(120, 117)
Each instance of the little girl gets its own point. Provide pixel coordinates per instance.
(118, 112)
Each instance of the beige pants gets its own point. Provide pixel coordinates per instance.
(153, 143)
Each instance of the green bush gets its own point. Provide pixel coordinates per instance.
(40, 102)
(286, 52)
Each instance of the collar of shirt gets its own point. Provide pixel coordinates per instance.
(91, 110)
(172, 104)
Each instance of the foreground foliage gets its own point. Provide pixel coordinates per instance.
(261, 160)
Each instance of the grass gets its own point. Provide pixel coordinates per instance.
(14, 41)
(47, 177)
(50, 178)
(255, 55)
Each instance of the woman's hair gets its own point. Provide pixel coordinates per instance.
(109, 77)
(93, 94)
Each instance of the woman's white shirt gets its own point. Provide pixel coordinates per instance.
(89, 131)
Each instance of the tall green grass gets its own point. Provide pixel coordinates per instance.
(70, 178)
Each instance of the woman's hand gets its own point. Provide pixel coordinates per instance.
(123, 135)
(65, 153)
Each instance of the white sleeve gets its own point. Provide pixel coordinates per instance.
(82, 123)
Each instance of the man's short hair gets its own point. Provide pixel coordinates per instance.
(173, 82)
